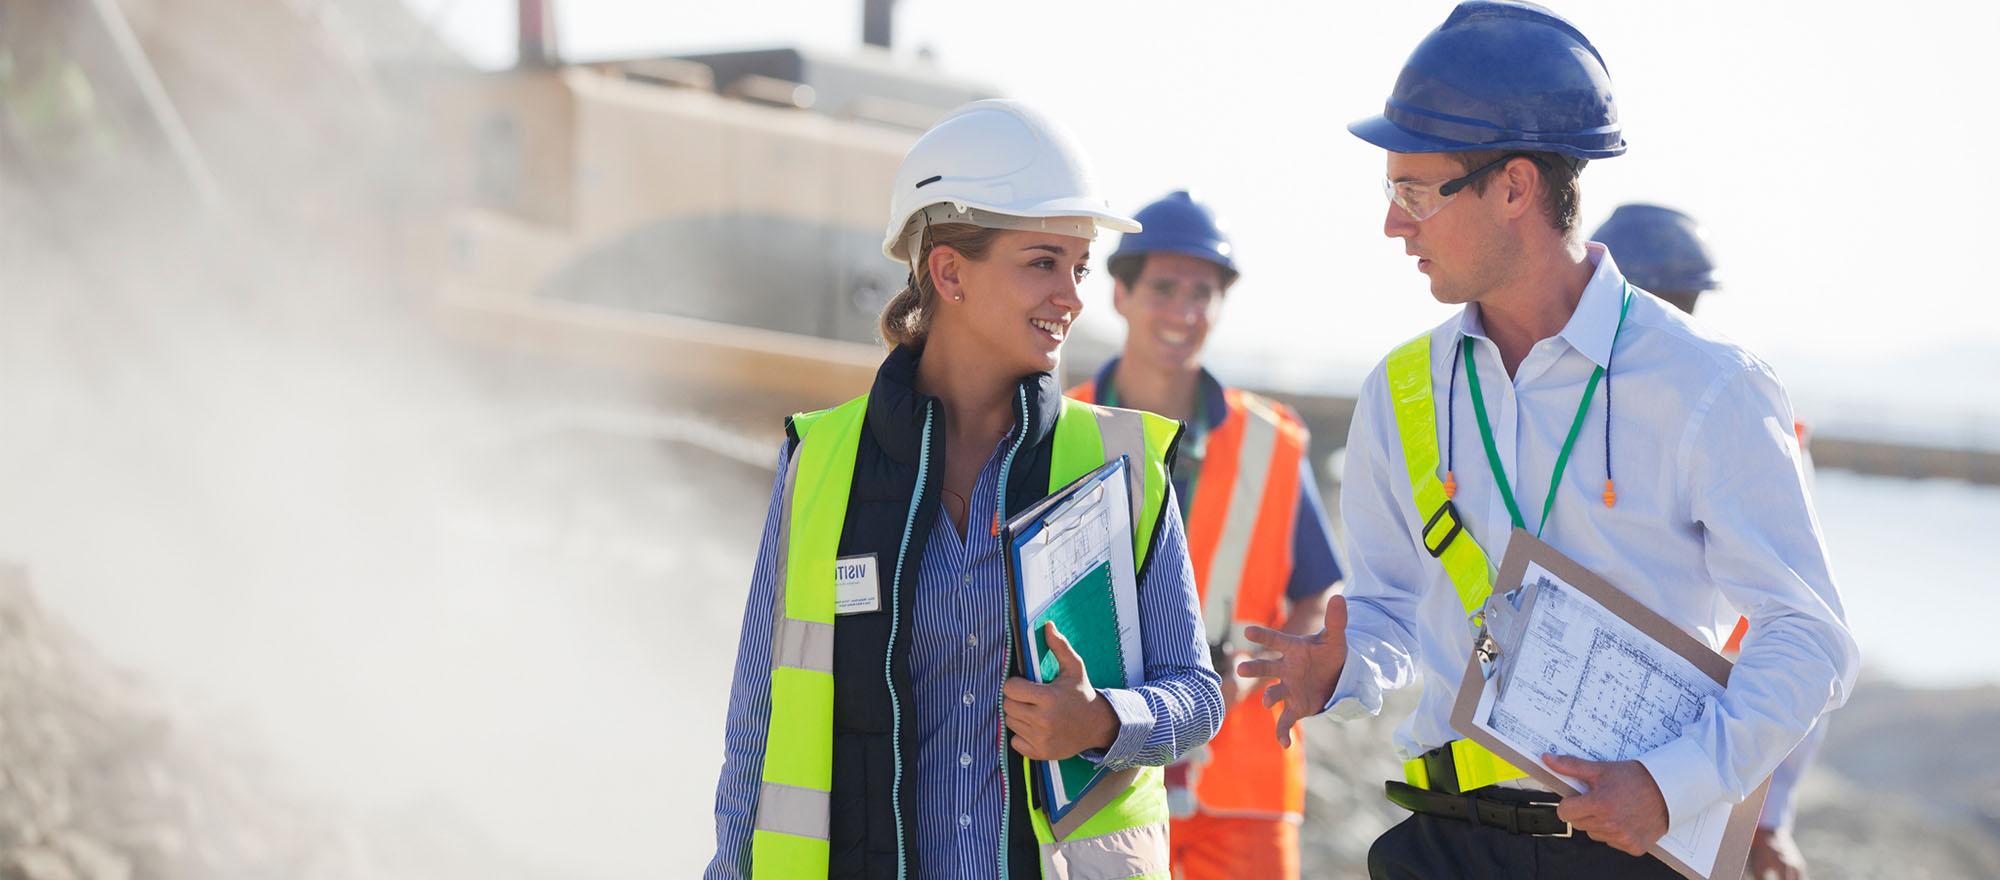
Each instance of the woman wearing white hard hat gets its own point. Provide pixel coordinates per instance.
(877, 727)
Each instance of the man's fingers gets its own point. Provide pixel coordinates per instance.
(1259, 668)
(1027, 751)
(1274, 694)
(1069, 666)
(1577, 809)
(1268, 637)
(1336, 615)
(1588, 771)
(1287, 720)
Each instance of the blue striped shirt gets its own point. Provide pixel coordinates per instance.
(959, 613)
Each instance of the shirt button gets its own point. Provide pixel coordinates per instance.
(968, 579)
(972, 640)
(967, 699)
(964, 821)
(964, 759)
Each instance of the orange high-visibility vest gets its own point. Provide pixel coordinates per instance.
(1239, 527)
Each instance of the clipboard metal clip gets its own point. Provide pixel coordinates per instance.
(1487, 649)
(1497, 612)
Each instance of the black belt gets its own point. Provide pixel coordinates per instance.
(1486, 807)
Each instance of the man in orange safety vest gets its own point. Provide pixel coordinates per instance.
(1257, 534)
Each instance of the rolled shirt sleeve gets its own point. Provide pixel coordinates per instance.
(1762, 546)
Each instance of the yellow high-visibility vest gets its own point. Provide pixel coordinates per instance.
(1118, 830)
(1444, 536)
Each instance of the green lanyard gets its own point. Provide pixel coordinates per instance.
(1575, 428)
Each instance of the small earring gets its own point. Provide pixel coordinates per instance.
(958, 297)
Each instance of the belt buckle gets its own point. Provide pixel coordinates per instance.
(1457, 525)
(1567, 832)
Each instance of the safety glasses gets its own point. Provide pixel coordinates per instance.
(1422, 199)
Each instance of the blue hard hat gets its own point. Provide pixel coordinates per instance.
(1500, 76)
(1178, 224)
(1659, 249)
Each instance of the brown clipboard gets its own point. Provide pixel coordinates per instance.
(1523, 548)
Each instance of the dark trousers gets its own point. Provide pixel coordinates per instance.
(1435, 848)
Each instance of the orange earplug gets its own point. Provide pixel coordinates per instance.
(1610, 494)
(1450, 486)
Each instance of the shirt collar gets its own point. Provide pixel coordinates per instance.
(1593, 327)
(1214, 406)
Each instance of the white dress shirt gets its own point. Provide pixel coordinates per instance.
(1712, 513)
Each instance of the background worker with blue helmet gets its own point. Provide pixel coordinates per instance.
(1664, 252)
(1257, 533)
(1493, 117)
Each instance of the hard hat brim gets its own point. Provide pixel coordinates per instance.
(1381, 132)
(1091, 208)
(893, 247)
(1378, 130)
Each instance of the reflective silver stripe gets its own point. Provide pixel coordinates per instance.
(1133, 852)
(1111, 786)
(784, 550)
(788, 809)
(1124, 433)
(1246, 501)
(803, 644)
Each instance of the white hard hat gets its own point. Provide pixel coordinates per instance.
(1000, 164)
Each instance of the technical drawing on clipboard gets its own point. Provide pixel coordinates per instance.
(1586, 683)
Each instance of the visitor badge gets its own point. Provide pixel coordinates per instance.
(856, 590)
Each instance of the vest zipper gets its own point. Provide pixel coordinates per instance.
(1007, 627)
(889, 656)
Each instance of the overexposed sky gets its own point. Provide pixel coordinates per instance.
(1834, 151)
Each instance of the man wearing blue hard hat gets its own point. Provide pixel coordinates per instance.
(1487, 129)
(1663, 252)
(1257, 534)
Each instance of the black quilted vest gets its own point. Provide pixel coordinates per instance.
(864, 834)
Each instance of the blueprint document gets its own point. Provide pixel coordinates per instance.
(1581, 681)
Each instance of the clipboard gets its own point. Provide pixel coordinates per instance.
(1107, 639)
(1522, 549)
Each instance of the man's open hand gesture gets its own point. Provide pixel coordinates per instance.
(1306, 667)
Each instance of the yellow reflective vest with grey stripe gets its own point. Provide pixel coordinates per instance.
(1118, 830)
(1444, 536)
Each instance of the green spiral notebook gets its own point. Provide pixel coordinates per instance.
(1069, 560)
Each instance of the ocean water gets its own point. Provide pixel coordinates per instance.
(1908, 557)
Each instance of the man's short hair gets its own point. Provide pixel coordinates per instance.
(1561, 197)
